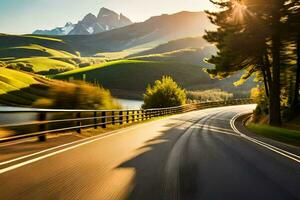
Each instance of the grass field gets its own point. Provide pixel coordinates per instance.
(32, 50)
(18, 88)
(43, 63)
(135, 75)
(36, 52)
(279, 134)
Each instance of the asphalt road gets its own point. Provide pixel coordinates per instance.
(195, 155)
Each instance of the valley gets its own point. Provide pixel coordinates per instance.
(162, 45)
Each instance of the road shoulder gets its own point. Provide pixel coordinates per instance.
(239, 123)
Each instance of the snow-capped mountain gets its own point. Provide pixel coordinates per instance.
(57, 31)
(90, 24)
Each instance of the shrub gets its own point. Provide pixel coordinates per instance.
(2, 64)
(21, 66)
(78, 95)
(261, 111)
(43, 103)
(209, 95)
(164, 93)
(55, 71)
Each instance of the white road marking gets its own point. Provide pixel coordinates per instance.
(81, 143)
(268, 146)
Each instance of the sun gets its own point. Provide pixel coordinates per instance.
(239, 11)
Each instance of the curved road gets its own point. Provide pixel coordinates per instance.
(195, 155)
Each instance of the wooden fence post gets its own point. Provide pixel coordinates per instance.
(127, 117)
(112, 117)
(42, 127)
(103, 119)
(121, 117)
(95, 120)
(78, 116)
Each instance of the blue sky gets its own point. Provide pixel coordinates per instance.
(25, 16)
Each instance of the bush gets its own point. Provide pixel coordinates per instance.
(262, 110)
(164, 93)
(21, 66)
(209, 95)
(55, 71)
(2, 64)
(78, 95)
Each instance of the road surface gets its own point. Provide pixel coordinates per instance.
(195, 155)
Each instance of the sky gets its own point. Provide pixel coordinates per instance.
(25, 16)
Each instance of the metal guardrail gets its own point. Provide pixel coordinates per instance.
(45, 121)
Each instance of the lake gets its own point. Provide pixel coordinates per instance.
(17, 118)
(130, 104)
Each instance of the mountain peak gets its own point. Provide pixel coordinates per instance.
(105, 12)
(69, 24)
(89, 17)
(90, 24)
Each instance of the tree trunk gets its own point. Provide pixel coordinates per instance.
(267, 69)
(297, 83)
(266, 84)
(264, 73)
(274, 100)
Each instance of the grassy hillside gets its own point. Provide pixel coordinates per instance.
(32, 50)
(18, 88)
(27, 53)
(190, 55)
(173, 45)
(25, 89)
(131, 77)
(11, 41)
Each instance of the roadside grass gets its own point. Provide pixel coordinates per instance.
(280, 134)
(294, 124)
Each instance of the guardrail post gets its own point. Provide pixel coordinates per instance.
(42, 127)
(103, 119)
(127, 117)
(133, 116)
(95, 120)
(78, 116)
(112, 117)
(121, 117)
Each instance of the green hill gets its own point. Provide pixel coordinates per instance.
(129, 78)
(174, 45)
(18, 41)
(19, 88)
(39, 54)
(190, 56)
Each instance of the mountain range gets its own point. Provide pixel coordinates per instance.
(147, 34)
(137, 36)
(106, 20)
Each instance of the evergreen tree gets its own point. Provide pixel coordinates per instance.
(250, 37)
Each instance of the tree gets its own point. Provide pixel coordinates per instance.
(249, 38)
(293, 27)
(164, 93)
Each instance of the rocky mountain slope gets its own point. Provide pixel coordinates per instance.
(105, 21)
